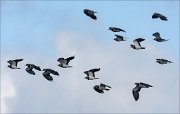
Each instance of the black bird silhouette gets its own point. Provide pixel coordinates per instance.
(91, 74)
(90, 13)
(64, 62)
(30, 67)
(158, 37)
(163, 61)
(100, 88)
(158, 15)
(47, 73)
(13, 63)
(115, 29)
(137, 89)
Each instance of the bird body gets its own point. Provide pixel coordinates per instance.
(13, 63)
(90, 13)
(119, 38)
(47, 73)
(100, 88)
(137, 45)
(136, 90)
(160, 16)
(115, 29)
(64, 62)
(91, 74)
(158, 37)
(163, 61)
(30, 68)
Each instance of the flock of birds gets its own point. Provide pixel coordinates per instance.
(90, 74)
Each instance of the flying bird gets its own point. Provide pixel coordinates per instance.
(115, 29)
(163, 61)
(100, 88)
(136, 90)
(13, 63)
(158, 37)
(91, 74)
(64, 62)
(30, 68)
(158, 15)
(47, 73)
(90, 13)
(137, 45)
(119, 38)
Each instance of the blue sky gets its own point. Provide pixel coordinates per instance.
(42, 31)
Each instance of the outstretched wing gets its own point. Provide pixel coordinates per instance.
(157, 35)
(162, 17)
(137, 41)
(16, 61)
(144, 85)
(94, 70)
(155, 15)
(36, 67)
(48, 77)
(135, 94)
(53, 72)
(70, 58)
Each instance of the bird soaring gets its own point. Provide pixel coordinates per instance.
(64, 62)
(100, 88)
(137, 45)
(47, 73)
(90, 13)
(158, 37)
(119, 38)
(30, 68)
(158, 15)
(115, 29)
(163, 61)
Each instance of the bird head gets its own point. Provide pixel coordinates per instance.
(9, 66)
(115, 39)
(136, 83)
(132, 46)
(60, 65)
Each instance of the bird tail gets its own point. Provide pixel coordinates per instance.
(106, 89)
(142, 47)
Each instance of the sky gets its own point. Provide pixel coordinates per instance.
(40, 32)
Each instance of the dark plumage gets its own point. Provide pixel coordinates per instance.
(13, 63)
(64, 62)
(115, 29)
(47, 73)
(100, 88)
(136, 90)
(30, 67)
(158, 37)
(119, 38)
(90, 13)
(91, 74)
(163, 61)
(137, 44)
(158, 15)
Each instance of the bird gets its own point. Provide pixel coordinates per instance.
(137, 45)
(163, 61)
(13, 63)
(47, 73)
(30, 67)
(90, 74)
(100, 88)
(158, 37)
(136, 90)
(158, 15)
(90, 13)
(115, 29)
(119, 38)
(64, 62)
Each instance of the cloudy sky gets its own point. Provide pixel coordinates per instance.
(42, 31)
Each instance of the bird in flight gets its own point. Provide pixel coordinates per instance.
(115, 29)
(64, 62)
(91, 74)
(90, 13)
(100, 88)
(158, 15)
(163, 61)
(137, 45)
(119, 38)
(13, 63)
(158, 37)
(136, 90)
(47, 73)
(30, 68)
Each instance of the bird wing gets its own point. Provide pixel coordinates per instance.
(95, 70)
(135, 94)
(16, 61)
(157, 35)
(144, 85)
(47, 76)
(36, 67)
(137, 41)
(162, 17)
(10, 61)
(53, 72)
(69, 58)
